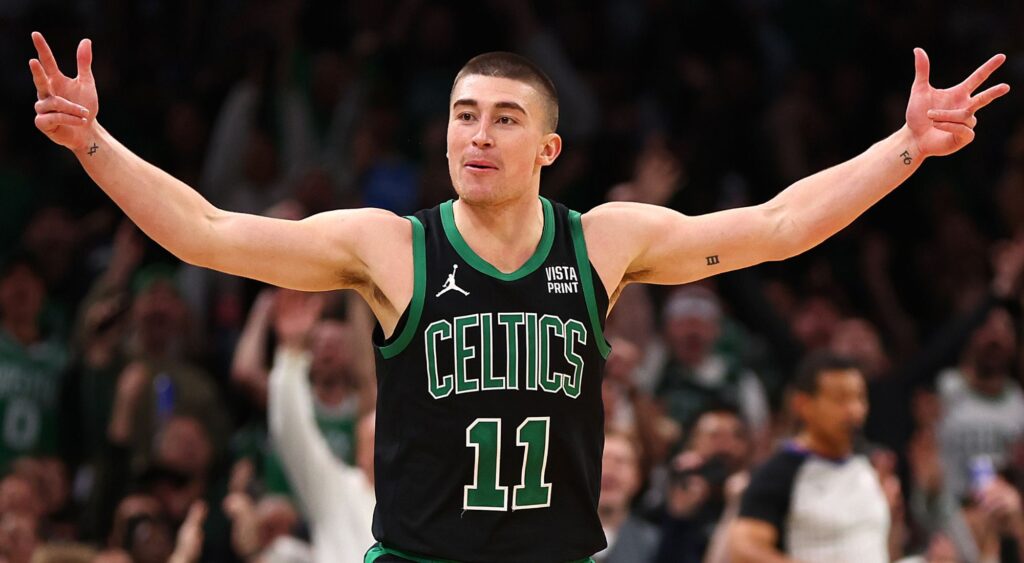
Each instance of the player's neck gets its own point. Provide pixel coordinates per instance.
(505, 235)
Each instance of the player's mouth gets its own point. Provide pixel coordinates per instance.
(481, 166)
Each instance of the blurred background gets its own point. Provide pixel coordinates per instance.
(132, 386)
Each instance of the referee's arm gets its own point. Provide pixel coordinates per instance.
(754, 541)
(757, 533)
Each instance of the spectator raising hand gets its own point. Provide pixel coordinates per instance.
(1008, 267)
(190, 535)
(657, 176)
(1000, 502)
(239, 508)
(131, 386)
(295, 314)
(994, 516)
(126, 255)
(248, 367)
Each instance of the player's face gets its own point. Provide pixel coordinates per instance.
(836, 411)
(497, 142)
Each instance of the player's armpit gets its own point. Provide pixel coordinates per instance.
(635, 242)
(369, 250)
(753, 541)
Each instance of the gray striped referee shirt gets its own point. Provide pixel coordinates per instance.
(823, 509)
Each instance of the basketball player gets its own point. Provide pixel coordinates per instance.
(489, 419)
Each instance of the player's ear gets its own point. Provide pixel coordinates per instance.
(550, 148)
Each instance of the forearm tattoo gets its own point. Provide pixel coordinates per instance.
(712, 260)
(93, 149)
(906, 158)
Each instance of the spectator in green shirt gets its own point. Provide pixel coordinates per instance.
(31, 364)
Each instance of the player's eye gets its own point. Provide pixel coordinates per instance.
(465, 116)
(506, 120)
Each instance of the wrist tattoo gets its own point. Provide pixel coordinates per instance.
(712, 260)
(93, 149)
(906, 158)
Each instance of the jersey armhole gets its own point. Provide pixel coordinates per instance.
(406, 332)
(579, 244)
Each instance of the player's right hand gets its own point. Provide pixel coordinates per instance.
(67, 107)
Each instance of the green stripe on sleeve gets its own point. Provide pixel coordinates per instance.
(583, 263)
(419, 284)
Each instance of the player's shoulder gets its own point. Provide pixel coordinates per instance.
(361, 213)
(365, 220)
(617, 215)
(613, 210)
(374, 237)
(626, 226)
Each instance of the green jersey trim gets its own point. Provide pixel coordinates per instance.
(378, 550)
(583, 263)
(419, 285)
(547, 238)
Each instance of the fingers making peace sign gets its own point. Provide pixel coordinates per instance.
(67, 106)
(943, 121)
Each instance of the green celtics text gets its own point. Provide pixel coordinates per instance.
(541, 337)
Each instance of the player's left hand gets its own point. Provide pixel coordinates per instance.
(942, 121)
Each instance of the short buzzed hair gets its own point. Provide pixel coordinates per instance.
(501, 64)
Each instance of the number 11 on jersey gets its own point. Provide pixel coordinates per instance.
(484, 436)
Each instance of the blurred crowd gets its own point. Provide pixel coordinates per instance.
(134, 389)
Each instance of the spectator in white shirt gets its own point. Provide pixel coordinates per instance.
(336, 499)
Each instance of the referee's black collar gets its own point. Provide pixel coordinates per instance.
(793, 447)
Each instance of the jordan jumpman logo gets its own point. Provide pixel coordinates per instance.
(449, 284)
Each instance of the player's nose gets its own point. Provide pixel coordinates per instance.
(482, 136)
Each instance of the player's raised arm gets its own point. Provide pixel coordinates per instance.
(322, 252)
(643, 243)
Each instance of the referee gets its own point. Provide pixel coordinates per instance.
(816, 499)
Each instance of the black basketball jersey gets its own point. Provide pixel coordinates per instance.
(490, 426)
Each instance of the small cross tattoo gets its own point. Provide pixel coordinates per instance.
(906, 158)
(93, 149)
(712, 260)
